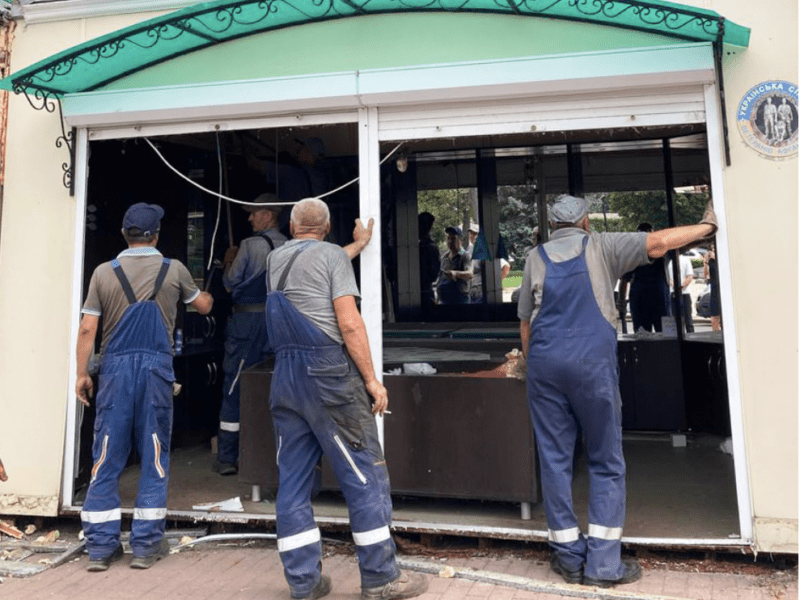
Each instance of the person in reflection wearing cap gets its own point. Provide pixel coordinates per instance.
(455, 271)
(136, 294)
(243, 276)
(568, 330)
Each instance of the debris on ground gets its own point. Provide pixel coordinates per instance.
(7, 528)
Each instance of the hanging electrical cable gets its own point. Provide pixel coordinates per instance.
(221, 196)
(219, 205)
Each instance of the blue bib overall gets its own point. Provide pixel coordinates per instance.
(573, 386)
(245, 346)
(134, 402)
(319, 405)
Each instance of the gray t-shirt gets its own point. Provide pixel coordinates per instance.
(251, 259)
(320, 274)
(141, 265)
(608, 257)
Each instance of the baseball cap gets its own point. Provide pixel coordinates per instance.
(145, 217)
(473, 227)
(452, 230)
(568, 209)
(263, 199)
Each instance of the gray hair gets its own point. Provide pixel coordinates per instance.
(310, 215)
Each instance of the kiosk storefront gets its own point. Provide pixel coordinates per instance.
(479, 99)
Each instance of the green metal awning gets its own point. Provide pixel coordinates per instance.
(96, 63)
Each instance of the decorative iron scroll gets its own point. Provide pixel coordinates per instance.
(48, 101)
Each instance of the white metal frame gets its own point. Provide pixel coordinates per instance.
(74, 408)
(717, 166)
(368, 119)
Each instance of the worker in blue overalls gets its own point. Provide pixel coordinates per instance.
(323, 396)
(568, 329)
(246, 335)
(136, 294)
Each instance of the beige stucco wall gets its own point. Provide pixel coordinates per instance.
(762, 214)
(36, 253)
(36, 245)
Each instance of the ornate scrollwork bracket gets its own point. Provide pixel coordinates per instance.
(49, 101)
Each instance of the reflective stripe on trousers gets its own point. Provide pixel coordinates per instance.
(134, 405)
(573, 390)
(245, 340)
(319, 405)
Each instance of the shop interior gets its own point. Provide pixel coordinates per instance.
(459, 445)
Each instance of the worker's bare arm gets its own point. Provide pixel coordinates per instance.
(86, 334)
(354, 333)
(203, 303)
(361, 237)
(661, 242)
(525, 336)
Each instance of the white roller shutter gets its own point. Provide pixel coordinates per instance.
(642, 107)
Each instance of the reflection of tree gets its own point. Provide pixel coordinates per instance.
(517, 219)
(450, 207)
(651, 207)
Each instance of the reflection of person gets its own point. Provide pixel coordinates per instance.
(505, 268)
(455, 270)
(322, 388)
(711, 275)
(300, 175)
(687, 276)
(246, 334)
(136, 294)
(567, 325)
(475, 286)
(649, 293)
(428, 258)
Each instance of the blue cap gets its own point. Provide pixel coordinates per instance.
(145, 217)
(452, 230)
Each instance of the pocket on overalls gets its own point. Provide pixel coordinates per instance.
(159, 394)
(334, 387)
(106, 394)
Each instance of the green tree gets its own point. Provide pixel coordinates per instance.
(518, 217)
(651, 207)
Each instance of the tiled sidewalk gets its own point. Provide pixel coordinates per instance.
(254, 573)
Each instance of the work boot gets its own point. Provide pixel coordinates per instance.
(224, 468)
(323, 588)
(147, 561)
(102, 564)
(407, 585)
(568, 575)
(631, 572)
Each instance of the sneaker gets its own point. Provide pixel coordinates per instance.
(102, 564)
(323, 588)
(407, 585)
(568, 575)
(147, 561)
(631, 572)
(224, 468)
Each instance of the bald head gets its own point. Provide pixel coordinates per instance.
(310, 218)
